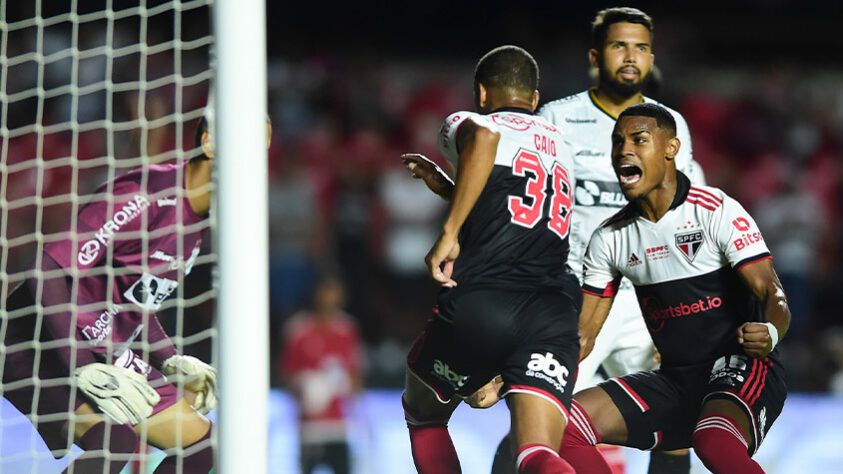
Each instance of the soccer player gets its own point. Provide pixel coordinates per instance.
(711, 301)
(509, 302)
(622, 55)
(85, 355)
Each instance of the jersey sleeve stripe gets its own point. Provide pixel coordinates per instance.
(610, 291)
(707, 193)
(703, 197)
(753, 259)
(701, 204)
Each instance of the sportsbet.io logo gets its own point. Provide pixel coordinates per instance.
(90, 250)
(547, 368)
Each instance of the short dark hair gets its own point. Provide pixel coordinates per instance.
(201, 128)
(608, 17)
(664, 119)
(508, 67)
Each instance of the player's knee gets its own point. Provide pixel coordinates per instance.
(418, 413)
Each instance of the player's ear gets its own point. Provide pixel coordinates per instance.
(482, 95)
(207, 145)
(672, 148)
(593, 58)
(535, 99)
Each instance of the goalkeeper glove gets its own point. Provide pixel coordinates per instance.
(199, 377)
(121, 394)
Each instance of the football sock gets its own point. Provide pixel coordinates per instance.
(579, 443)
(541, 459)
(720, 445)
(198, 458)
(431, 445)
(433, 450)
(122, 440)
(667, 463)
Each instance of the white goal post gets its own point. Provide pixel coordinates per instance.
(242, 309)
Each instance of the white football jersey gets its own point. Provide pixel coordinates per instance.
(519, 130)
(684, 269)
(587, 127)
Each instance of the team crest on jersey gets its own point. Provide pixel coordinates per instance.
(689, 243)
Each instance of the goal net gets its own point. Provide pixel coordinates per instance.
(90, 91)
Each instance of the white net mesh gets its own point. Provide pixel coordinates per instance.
(90, 91)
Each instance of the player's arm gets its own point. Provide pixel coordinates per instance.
(600, 285)
(741, 242)
(479, 143)
(595, 310)
(758, 339)
(433, 176)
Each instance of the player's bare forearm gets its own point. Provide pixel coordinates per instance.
(595, 310)
(477, 159)
(762, 280)
(433, 176)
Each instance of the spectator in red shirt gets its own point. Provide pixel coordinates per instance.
(321, 364)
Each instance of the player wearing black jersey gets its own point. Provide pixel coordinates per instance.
(711, 300)
(509, 301)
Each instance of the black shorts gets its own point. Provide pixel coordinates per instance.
(661, 407)
(529, 338)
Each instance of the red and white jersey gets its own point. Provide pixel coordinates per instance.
(321, 359)
(587, 126)
(684, 270)
(516, 236)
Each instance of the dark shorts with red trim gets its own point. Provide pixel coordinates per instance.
(661, 407)
(529, 338)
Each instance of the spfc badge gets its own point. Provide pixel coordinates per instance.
(689, 244)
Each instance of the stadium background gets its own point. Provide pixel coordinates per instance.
(353, 86)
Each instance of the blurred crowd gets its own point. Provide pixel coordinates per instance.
(341, 199)
(343, 207)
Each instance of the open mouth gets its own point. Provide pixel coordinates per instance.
(629, 174)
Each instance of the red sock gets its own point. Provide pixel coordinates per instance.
(579, 443)
(433, 450)
(720, 445)
(541, 459)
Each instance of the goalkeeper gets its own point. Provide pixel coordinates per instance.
(85, 356)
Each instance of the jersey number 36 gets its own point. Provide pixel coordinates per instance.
(559, 192)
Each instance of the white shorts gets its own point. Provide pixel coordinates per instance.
(623, 346)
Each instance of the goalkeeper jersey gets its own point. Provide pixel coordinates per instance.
(131, 247)
(587, 127)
